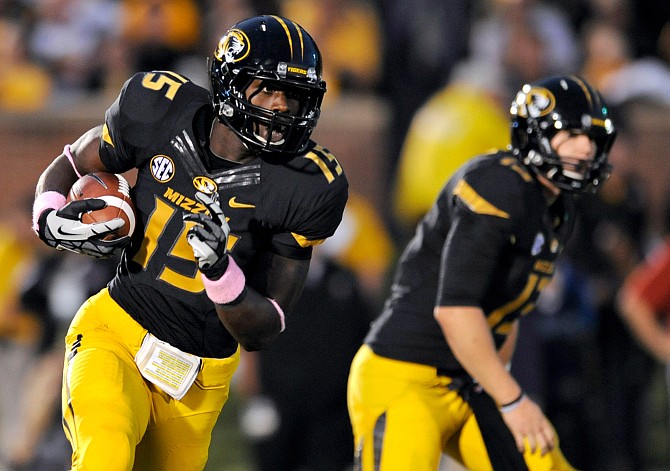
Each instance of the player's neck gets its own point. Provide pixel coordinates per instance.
(224, 144)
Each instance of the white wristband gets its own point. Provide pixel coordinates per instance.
(510, 406)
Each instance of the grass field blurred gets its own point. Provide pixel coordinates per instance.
(229, 450)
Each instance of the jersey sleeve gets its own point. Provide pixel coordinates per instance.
(308, 204)
(486, 207)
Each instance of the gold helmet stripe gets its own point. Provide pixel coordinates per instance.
(286, 30)
(585, 89)
(302, 42)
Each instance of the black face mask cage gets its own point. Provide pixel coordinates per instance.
(544, 159)
(295, 130)
(245, 118)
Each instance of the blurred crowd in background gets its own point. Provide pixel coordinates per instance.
(445, 71)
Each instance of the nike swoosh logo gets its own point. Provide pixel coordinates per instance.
(234, 204)
(60, 231)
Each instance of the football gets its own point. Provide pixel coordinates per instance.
(115, 190)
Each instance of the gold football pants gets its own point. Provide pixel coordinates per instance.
(404, 417)
(117, 421)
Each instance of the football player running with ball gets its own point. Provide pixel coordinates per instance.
(432, 376)
(231, 196)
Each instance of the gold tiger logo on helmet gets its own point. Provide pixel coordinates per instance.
(233, 47)
(535, 102)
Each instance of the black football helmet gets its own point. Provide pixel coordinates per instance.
(543, 108)
(283, 55)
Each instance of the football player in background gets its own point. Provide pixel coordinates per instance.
(231, 196)
(433, 373)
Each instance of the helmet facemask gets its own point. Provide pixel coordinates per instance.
(568, 173)
(257, 126)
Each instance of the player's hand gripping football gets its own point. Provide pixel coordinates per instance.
(209, 237)
(64, 230)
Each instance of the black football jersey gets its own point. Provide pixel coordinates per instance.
(160, 125)
(490, 240)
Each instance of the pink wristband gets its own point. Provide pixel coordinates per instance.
(227, 288)
(46, 200)
(282, 319)
(68, 154)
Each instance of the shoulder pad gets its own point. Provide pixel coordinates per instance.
(309, 193)
(151, 96)
(497, 184)
(151, 107)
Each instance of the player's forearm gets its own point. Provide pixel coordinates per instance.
(254, 321)
(254, 309)
(469, 338)
(58, 176)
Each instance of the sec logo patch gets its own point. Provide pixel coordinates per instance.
(162, 168)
